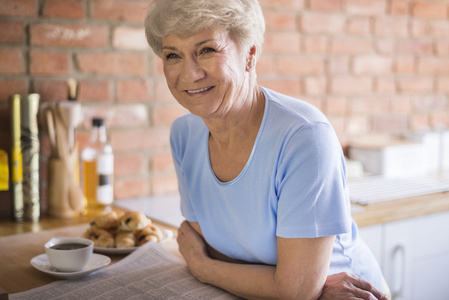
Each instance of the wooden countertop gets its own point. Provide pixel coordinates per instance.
(23, 241)
(395, 210)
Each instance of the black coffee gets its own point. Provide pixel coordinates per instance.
(68, 246)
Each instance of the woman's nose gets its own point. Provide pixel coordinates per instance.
(191, 71)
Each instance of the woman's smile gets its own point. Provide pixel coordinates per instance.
(198, 91)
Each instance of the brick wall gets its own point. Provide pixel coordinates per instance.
(372, 66)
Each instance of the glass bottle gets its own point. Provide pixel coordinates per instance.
(98, 167)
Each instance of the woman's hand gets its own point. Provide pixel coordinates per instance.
(348, 286)
(193, 247)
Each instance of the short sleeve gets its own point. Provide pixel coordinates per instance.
(311, 185)
(178, 148)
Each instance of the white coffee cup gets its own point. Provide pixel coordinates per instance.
(69, 254)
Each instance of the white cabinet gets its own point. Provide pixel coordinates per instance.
(414, 255)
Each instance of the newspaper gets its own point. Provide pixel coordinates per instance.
(150, 272)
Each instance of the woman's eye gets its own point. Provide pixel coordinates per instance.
(171, 55)
(207, 50)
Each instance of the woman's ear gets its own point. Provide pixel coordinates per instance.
(251, 61)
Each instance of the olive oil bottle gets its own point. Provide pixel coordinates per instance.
(98, 167)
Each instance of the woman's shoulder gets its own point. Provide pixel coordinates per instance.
(284, 106)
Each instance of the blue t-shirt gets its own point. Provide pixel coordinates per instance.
(292, 186)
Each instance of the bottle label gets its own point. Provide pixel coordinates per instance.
(105, 171)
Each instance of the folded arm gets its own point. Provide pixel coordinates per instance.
(300, 273)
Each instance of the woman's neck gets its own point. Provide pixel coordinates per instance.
(238, 124)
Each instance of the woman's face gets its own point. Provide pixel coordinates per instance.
(205, 72)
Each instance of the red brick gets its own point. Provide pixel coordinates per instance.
(140, 139)
(119, 10)
(70, 9)
(162, 161)
(51, 90)
(442, 47)
(315, 85)
(351, 46)
(326, 5)
(390, 123)
(405, 65)
(366, 7)
(130, 188)
(433, 65)
(420, 28)
(401, 104)
(163, 184)
(282, 42)
(11, 32)
(130, 38)
(265, 65)
(439, 119)
(348, 85)
(336, 106)
(133, 90)
(11, 62)
(385, 45)
(430, 10)
(49, 62)
(359, 26)
(429, 103)
(118, 116)
(112, 63)
(97, 90)
(372, 64)
(442, 85)
(162, 93)
(291, 5)
(316, 44)
(280, 20)
(415, 85)
(357, 125)
(320, 23)
(399, 8)
(165, 115)
(385, 85)
(10, 87)
(300, 65)
(18, 8)
(418, 121)
(129, 164)
(391, 27)
(418, 46)
(439, 29)
(338, 65)
(65, 35)
(291, 87)
(366, 105)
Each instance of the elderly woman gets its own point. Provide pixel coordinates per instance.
(261, 175)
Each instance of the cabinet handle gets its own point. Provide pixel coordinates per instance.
(398, 251)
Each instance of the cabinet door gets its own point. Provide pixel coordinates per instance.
(372, 236)
(416, 257)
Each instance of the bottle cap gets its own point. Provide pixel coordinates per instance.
(97, 122)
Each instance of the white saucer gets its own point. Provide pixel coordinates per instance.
(166, 236)
(97, 261)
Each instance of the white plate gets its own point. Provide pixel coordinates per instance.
(97, 261)
(166, 236)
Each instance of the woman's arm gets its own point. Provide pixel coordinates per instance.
(300, 273)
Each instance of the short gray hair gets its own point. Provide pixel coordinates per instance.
(242, 19)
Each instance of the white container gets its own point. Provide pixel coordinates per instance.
(444, 150)
(392, 158)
